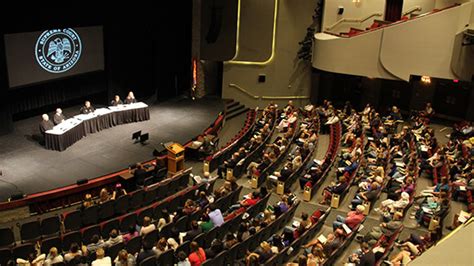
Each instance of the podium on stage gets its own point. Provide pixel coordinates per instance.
(175, 158)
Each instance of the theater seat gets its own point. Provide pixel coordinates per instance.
(50, 225)
(30, 231)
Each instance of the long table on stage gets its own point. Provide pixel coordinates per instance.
(75, 128)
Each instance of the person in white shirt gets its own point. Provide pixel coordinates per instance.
(147, 226)
(101, 259)
(114, 238)
(31, 260)
(53, 257)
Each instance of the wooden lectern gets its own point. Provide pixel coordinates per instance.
(175, 158)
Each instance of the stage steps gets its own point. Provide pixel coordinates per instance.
(234, 108)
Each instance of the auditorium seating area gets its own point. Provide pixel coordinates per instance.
(361, 151)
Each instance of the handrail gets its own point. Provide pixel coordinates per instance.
(244, 91)
(357, 20)
(396, 22)
(267, 97)
(411, 10)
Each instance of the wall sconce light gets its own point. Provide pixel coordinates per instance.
(426, 79)
(357, 2)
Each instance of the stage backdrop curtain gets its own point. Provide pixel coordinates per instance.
(60, 91)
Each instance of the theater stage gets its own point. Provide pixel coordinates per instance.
(29, 168)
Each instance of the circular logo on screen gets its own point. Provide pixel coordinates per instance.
(58, 50)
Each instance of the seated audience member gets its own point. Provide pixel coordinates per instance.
(183, 259)
(146, 252)
(401, 258)
(384, 229)
(299, 231)
(261, 254)
(114, 238)
(58, 117)
(95, 244)
(101, 259)
(305, 221)
(368, 195)
(172, 243)
(45, 124)
(130, 98)
(250, 200)
(394, 205)
(216, 247)
(197, 255)
(104, 196)
(87, 202)
(87, 108)
(366, 257)
(119, 191)
(124, 259)
(139, 174)
(215, 215)
(337, 188)
(195, 230)
(202, 201)
(352, 219)
(165, 219)
(230, 241)
(189, 207)
(161, 246)
(74, 251)
(116, 101)
(243, 232)
(206, 223)
(31, 260)
(132, 232)
(334, 240)
(147, 226)
(53, 257)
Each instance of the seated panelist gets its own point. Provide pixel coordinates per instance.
(116, 101)
(58, 117)
(87, 108)
(45, 124)
(130, 98)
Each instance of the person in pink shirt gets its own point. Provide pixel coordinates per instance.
(352, 219)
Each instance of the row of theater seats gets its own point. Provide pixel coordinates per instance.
(76, 219)
(204, 240)
(232, 145)
(298, 172)
(53, 234)
(351, 177)
(239, 169)
(294, 248)
(335, 134)
(258, 180)
(239, 250)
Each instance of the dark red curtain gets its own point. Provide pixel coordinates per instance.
(393, 10)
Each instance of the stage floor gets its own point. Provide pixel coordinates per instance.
(29, 168)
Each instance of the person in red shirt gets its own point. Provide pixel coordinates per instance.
(197, 254)
(251, 200)
(352, 219)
